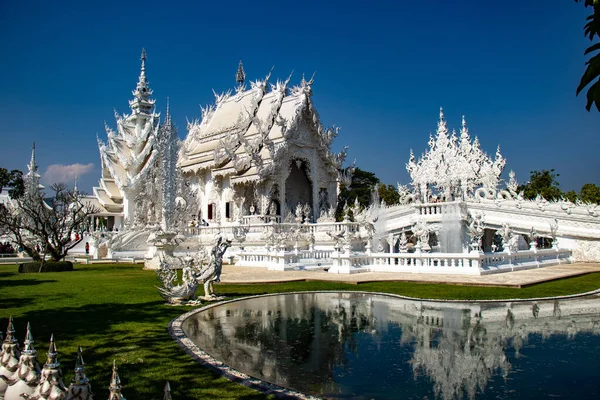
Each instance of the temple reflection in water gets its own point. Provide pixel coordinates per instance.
(370, 346)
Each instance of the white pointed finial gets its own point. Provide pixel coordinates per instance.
(464, 122)
(240, 75)
(441, 114)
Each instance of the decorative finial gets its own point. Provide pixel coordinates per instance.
(441, 114)
(240, 76)
(464, 122)
(32, 165)
(10, 332)
(75, 190)
(143, 57)
(52, 361)
(115, 385)
(167, 395)
(28, 342)
(168, 112)
(80, 378)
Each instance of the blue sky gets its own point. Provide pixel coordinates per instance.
(383, 69)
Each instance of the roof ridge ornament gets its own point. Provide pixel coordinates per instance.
(240, 76)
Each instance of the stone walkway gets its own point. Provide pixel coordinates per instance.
(233, 274)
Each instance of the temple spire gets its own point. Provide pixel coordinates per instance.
(32, 178)
(240, 76)
(168, 113)
(142, 103)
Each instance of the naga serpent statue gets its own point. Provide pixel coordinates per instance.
(192, 275)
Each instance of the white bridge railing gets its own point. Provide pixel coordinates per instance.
(441, 263)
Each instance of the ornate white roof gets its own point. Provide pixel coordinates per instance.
(453, 163)
(246, 131)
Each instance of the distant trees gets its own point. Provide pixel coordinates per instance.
(42, 227)
(388, 194)
(590, 193)
(545, 184)
(365, 187)
(592, 72)
(13, 180)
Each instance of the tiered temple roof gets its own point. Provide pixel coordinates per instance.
(245, 132)
(130, 152)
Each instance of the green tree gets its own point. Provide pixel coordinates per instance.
(362, 186)
(571, 195)
(544, 183)
(388, 193)
(590, 193)
(592, 72)
(12, 180)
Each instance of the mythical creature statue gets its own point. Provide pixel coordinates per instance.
(177, 294)
(212, 273)
(475, 229)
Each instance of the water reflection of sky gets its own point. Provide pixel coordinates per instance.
(363, 346)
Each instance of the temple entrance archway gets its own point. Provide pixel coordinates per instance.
(298, 188)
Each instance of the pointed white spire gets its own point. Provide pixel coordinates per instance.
(52, 360)
(115, 385)
(142, 103)
(28, 342)
(32, 178)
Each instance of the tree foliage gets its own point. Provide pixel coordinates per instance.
(12, 180)
(388, 193)
(362, 186)
(45, 227)
(590, 193)
(591, 76)
(545, 183)
(542, 183)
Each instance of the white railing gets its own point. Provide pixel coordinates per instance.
(260, 228)
(315, 254)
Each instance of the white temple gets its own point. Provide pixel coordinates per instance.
(258, 168)
(259, 152)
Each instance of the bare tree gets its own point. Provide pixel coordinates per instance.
(46, 226)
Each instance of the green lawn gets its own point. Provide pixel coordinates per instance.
(114, 312)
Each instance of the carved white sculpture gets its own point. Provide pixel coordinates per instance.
(455, 167)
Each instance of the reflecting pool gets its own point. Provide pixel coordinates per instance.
(367, 346)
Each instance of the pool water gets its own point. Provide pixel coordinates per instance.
(369, 346)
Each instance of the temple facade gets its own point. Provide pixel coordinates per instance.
(261, 153)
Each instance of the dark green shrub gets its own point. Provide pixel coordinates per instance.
(49, 266)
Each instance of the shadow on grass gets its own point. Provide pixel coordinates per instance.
(8, 274)
(14, 303)
(136, 337)
(24, 282)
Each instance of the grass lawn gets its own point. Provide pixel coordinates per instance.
(114, 312)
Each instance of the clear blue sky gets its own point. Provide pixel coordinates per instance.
(383, 70)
